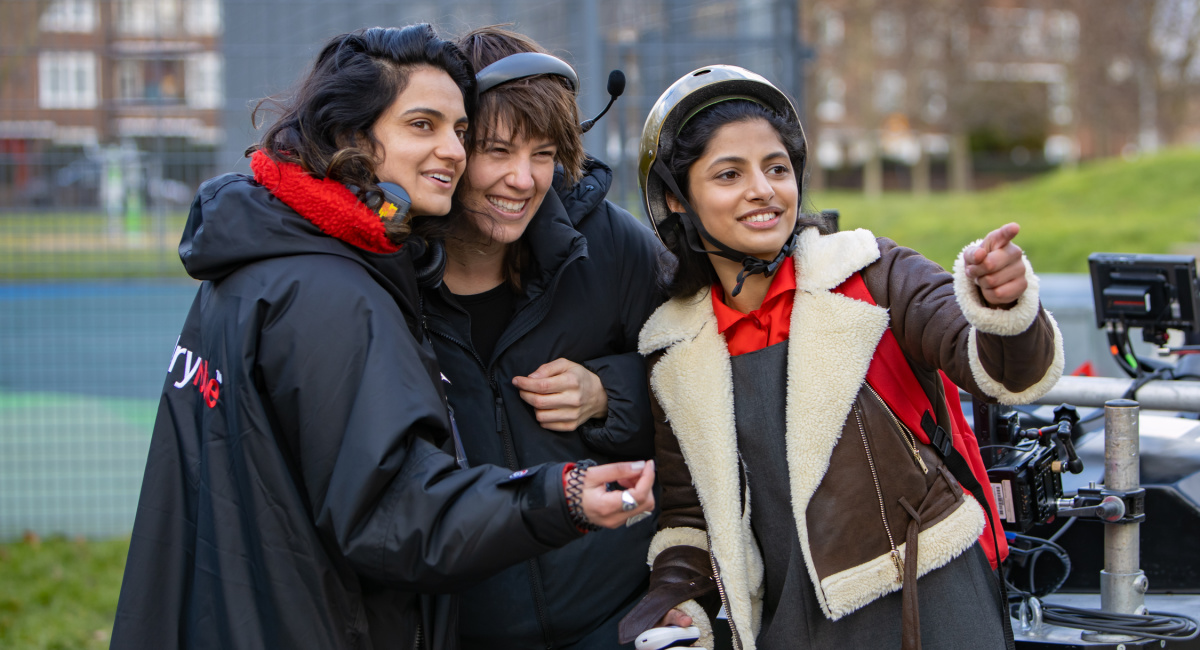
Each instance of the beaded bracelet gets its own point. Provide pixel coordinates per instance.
(574, 490)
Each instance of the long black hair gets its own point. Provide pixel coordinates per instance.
(325, 126)
(694, 271)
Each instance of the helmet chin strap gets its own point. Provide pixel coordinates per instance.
(694, 230)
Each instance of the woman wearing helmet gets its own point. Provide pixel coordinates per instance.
(535, 326)
(794, 490)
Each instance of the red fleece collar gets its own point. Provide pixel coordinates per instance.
(326, 203)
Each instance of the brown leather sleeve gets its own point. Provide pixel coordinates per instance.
(680, 573)
(932, 330)
(1013, 360)
(677, 496)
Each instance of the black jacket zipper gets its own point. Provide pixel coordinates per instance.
(510, 457)
(510, 454)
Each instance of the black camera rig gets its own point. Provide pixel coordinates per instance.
(1025, 466)
(1153, 292)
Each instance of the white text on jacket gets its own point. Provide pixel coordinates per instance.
(195, 370)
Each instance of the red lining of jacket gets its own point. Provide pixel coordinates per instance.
(328, 204)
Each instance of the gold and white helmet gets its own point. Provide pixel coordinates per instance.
(685, 98)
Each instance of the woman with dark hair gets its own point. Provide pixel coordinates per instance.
(295, 495)
(535, 325)
(815, 472)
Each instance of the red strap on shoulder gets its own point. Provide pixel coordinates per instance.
(889, 373)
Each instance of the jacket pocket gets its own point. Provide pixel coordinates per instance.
(906, 436)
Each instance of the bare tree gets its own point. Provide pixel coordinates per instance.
(1174, 51)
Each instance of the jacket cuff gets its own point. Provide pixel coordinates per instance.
(992, 320)
(544, 504)
(701, 620)
(623, 431)
(668, 537)
(681, 574)
(997, 390)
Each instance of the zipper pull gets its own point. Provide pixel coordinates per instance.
(499, 415)
(899, 564)
(920, 461)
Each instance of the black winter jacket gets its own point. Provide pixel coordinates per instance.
(295, 495)
(588, 288)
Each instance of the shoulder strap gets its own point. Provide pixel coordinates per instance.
(889, 373)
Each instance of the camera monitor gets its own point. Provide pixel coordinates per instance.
(1154, 292)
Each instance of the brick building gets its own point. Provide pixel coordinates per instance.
(936, 92)
(91, 85)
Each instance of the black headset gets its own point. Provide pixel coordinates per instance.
(521, 65)
(529, 64)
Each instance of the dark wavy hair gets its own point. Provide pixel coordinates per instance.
(542, 105)
(694, 271)
(325, 124)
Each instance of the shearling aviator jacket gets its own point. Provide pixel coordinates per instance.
(941, 323)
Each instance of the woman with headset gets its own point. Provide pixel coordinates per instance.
(535, 325)
(295, 495)
(797, 487)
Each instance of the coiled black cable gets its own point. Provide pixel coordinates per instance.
(1163, 626)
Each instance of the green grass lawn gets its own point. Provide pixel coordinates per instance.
(56, 245)
(59, 594)
(1151, 205)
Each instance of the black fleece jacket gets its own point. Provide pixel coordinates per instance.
(587, 289)
(295, 494)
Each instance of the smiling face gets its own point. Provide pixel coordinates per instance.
(744, 190)
(421, 140)
(507, 178)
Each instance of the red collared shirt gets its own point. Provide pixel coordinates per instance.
(767, 325)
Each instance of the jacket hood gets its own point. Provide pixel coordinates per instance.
(583, 197)
(553, 234)
(234, 221)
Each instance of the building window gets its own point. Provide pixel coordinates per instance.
(934, 90)
(164, 81)
(131, 82)
(77, 16)
(202, 17)
(887, 28)
(67, 80)
(1059, 96)
(1063, 28)
(830, 28)
(929, 35)
(890, 88)
(147, 17)
(832, 107)
(204, 81)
